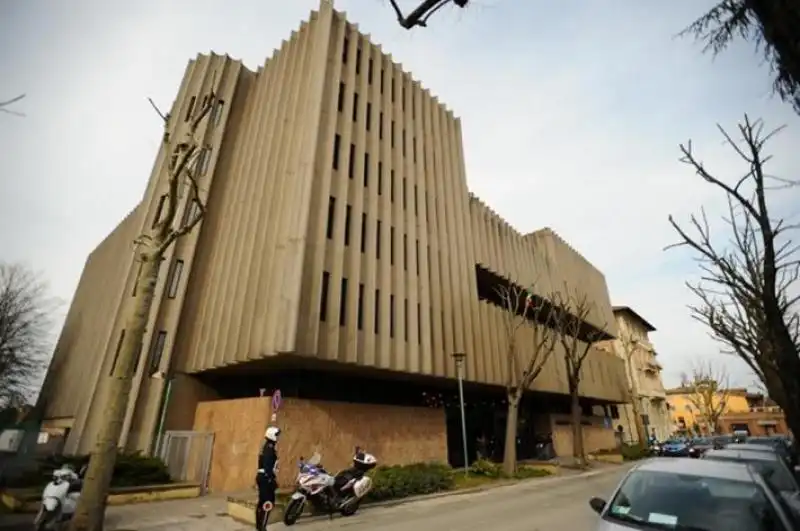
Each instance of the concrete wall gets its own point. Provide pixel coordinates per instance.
(395, 435)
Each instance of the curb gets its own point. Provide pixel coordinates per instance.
(449, 493)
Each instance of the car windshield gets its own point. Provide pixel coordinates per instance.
(723, 439)
(761, 440)
(700, 440)
(774, 472)
(673, 441)
(686, 502)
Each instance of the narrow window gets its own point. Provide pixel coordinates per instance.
(344, 50)
(358, 60)
(136, 281)
(157, 351)
(331, 216)
(417, 255)
(347, 225)
(403, 99)
(414, 147)
(391, 186)
(363, 232)
(369, 72)
(360, 315)
(203, 160)
(405, 252)
(190, 213)
(190, 109)
(377, 313)
(343, 304)
(404, 142)
(116, 352)
(323, 300)
(366, 170)
(383, 75)
(369, 114)
(174, 279)
(405, 319)
(159, 210)
(337, 141)
(351, 170)
(391, 245)
(416, 203)
(378, 241)
(419, 323)
(391, 315)
(355, 106)
(392, 135)
(393, 83)
(380, 178)
(340, 101)
(380, 126)
(404, 193)
(218, 112)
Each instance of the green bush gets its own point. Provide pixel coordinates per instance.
(485, 468)
(130, 469)
(633, 452)
(390, 482)
(525, 472)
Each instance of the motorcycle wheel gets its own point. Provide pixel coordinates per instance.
(350, 509)
(292, 512)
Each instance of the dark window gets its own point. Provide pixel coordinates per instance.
(355, 106)
(157, 351)
(351, 170)
(414, 147)
(377, 312)
(363, 232)
(369, 115)
(116, 352)
(190, 109)
(347, 225)
(136, 281)
(340, 102)
(391, 186)
(337, 141)
(366, 169)
(159, 210)
(417, 255)
(392, 135)
(393, 83)
(416, 203)
(358, 60)
(369, 72)
(360, 315)
(419, 323)
(344, 50)
(378, 241)
(383, 75)
(174, 279)
(380, 126)
(391, 315)
(404, 193)
(343, 303)
(380, 178)
(216, 117)
(405, 319)
(403, 147)
(391, 245)
(201, 166)
(405, 252)
(331, 216)
(323, 300)
(403, 99)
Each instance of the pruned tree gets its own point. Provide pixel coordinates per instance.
(5, 105)
(523, 310)
(630, 346)
(26, 312)
(184, 144)
(424, 10)
(747, 293)
(707, 389)
(571, 311)
(770, 24)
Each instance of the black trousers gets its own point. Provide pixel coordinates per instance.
(266, 495)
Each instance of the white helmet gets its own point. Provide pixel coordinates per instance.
(272, 433)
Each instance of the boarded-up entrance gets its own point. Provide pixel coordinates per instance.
(396, 435)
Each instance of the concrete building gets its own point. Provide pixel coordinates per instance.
(342, 259)
(643, 371)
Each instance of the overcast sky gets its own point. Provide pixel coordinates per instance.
(572, 114)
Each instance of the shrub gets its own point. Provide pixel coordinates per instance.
(526, 472)
(633, 452)
(130, 469)
(391, 482)
(485, 468)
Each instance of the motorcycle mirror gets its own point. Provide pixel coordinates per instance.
(597, 504)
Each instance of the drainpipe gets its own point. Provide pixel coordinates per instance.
(155, 444)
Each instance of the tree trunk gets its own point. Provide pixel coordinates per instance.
(90, 513)
(510, 450)
(577, 428)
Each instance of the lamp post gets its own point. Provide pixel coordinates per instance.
(459, 359)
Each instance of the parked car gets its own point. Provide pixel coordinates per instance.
(778, 449)
(700, 445)
(697, 495)
(782, 443)
(720, 441)
(675, 448)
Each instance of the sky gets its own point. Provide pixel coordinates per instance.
(572, 113)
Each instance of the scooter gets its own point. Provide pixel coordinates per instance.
(342, 493)
(59, 499)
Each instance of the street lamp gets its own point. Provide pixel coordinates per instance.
(459, 359)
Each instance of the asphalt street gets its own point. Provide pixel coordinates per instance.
(549, 504)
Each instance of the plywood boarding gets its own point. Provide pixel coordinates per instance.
(396, 435)
(595, 436)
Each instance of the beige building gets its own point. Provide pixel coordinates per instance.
(643, 375)
(342, 258)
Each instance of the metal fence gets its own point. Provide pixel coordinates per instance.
(187, 455)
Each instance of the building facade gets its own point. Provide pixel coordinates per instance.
(686, 411)
(643, 374)
(341, 257)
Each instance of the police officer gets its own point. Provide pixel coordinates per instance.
(266, 477)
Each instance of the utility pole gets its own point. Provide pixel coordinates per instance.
(420, 15)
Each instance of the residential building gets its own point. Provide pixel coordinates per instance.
(342, 260)
(764, 417)
(643, 372)
(686, 408)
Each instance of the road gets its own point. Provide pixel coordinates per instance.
(550, 504)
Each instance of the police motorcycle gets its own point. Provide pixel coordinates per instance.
(59, 499)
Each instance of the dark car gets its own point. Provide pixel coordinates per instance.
(700, 445)
(696, 495)
(675, 448)
(720, 441)
(783, 444)
(778, 449)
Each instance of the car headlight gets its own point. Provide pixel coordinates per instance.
(691, 450)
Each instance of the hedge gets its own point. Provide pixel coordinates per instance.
(490, 469)
(390, 482)
(634, 452)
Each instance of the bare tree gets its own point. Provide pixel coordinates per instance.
(629, 349)
(522, 311)
(571, 311)
(707, 389)
(4, 105)
(183, 170)
(420, 15)
(26, 313)
(745, 293)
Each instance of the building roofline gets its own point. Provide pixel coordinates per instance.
(628, 309)
(738, 391)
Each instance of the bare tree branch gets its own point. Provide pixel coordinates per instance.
(5, 104)
(707, 388)
(420, 15)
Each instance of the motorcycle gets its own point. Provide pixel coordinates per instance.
(59, 499)
(342, 492)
